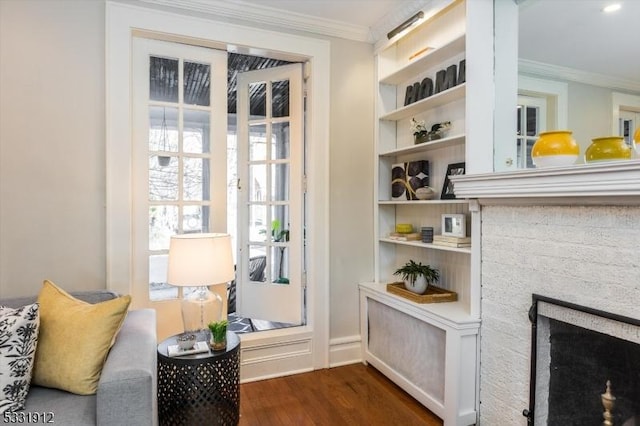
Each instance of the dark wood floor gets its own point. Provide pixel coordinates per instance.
(351, 395)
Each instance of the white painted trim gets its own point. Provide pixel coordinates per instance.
(601, 183)
(579, 76)
(345, 351)
(121, 20)
(560, 90)
(621, 100)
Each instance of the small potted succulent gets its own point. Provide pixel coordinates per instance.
(417, 276)
(420, 132)
(218, 335)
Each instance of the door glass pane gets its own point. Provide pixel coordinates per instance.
(163, 79)
(197, 79)
(258, 229)
(196, 132)
(280, 264)
(195, 219)
(279, 228)
(257, 100)
(196, 175)
(532, 121)
(163, 177)
(158, 287)
(257, 182)
(280, 98)
(257, 263)
(519, 120)
(163, 223)
(280, 141)
(257, 142)
(280, 182)
(163, 129)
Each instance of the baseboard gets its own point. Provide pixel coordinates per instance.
(345, 351)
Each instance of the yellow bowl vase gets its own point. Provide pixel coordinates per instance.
(636, 140)
(609, 148)
(555, 149)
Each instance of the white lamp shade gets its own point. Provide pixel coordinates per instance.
(200, 260)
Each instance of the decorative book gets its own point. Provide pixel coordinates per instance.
(199, 347)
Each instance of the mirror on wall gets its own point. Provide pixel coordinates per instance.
(578, 69)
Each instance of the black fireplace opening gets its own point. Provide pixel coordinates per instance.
(571, 364)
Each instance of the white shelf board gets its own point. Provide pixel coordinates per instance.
(450, 95)
(427, 60)
(426, 146)
(418, 202)
(452, 315)
(420, 244)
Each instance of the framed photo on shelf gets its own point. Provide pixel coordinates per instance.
(454, 225)
(447, 188)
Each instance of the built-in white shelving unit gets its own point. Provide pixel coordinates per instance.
(428, 349)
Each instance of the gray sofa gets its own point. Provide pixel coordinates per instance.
(128, 383)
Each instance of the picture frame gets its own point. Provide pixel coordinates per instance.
(454, 225)
(447, 187)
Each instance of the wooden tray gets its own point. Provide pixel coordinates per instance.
(433, 295)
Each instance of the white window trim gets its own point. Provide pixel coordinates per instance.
(537, 86)
(622, 101)
(121, 21)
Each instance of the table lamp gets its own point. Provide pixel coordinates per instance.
(200, 260)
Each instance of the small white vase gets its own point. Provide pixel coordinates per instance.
(419, 286)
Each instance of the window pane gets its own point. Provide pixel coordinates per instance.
(163, 129)
(197, 79)
(257, 100)
(280, 182)
(257, 142)
(280, 141)
(519, 120)
(163, 79)
(279, 224)
(532, 120)
(163, 223)
(196, 132)
(163, 177)
(257, 182)
(196, 175)
(195, 219)
(258, 229)
(280, 98)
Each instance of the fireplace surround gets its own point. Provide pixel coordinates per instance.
(575, 352)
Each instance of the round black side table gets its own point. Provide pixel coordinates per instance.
(199, 389)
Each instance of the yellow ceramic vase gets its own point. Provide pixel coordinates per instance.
(554, 149)
(636, 140)
(609, 148)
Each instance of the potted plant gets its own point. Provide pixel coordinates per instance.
(417, 276)
(420, 132)
(218, 335)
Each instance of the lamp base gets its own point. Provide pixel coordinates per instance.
(199, 308)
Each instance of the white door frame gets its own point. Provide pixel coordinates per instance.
(268, 353)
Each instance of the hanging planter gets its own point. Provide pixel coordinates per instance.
(164, 160)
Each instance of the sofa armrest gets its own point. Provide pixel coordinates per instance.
(128, 383)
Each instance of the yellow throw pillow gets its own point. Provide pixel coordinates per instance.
(74, 339)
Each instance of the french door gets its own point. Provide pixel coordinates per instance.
(179, 160)
(271, 194)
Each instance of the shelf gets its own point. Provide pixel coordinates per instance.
(450, 314)
(430, 59)
(423, 202)
(450, 95)
(426, 146)
(420, 244)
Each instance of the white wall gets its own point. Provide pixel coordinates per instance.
(52, 220)
(52, 144)
(589, 113)
(581, 254)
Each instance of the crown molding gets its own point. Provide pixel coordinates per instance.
(579, 76)
(263, 15)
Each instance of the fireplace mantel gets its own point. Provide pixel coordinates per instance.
(604, 183)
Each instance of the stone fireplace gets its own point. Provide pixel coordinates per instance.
(576, 352)
(570, 234)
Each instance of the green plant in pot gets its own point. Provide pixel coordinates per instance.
(218, 335)
(417, 276)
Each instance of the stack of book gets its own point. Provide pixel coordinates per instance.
(444, 240)
(411, 236)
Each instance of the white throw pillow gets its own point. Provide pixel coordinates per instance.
(18, 340)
